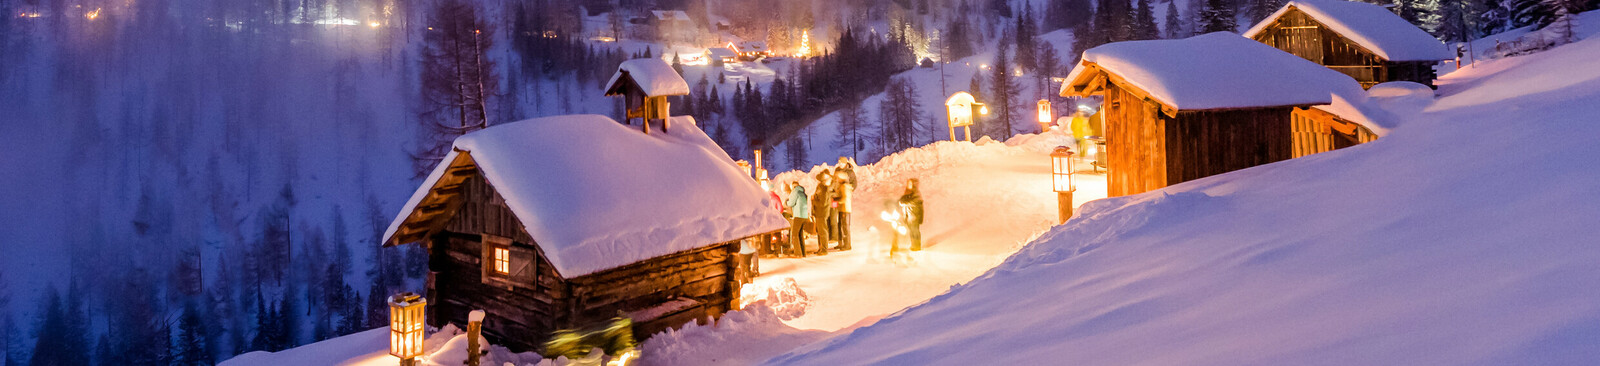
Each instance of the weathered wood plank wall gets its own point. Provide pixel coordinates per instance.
(1205, 143)
(1135, 143)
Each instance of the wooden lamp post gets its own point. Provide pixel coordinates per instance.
(1061, 171)
(405, 327)
(1045, 115)
(959, 111)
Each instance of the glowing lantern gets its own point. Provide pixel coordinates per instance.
(1045, 115)
(959, 108)
(1061, 171)
(405, 326)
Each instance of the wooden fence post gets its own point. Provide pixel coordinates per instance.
(474, 337)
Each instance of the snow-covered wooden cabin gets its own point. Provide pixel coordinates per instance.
(1365, 41)
(644, 85)
(1179, 110)
(565, 222)
(750, 50)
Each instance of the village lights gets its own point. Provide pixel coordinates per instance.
(959, 113)
(1045, 115)
(405, 327)
(1061, 175)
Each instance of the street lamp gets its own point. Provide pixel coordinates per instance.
(1045, 115)
(405, 327)
(1061, 171)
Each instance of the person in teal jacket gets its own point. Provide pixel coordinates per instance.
(800, 206)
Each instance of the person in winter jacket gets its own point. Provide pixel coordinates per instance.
(800, 207)
(771, 243)
(822, 210)
(844, 187)
(911, 204)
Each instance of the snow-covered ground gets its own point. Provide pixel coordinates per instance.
(982, 201)
(1465, 237)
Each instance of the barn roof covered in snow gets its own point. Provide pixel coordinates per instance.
(652, 75)
(670, 15)
(1371, 26)
(1212, 71)
(595, 194)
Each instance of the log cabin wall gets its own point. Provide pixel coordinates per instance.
(704, 275)
(524, 307)
(1317, 131)
(1299, 34)
(1136, 148)
(1200, 144)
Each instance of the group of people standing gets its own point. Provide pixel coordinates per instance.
(824, 212)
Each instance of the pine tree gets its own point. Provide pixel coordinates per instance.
(1144, 22)
(191, 348)
(1002, 96)
(457, 78)
(1258, 10)
(1026, 30)
(899, 115)
(1174, 25)
(1218, 16)
(848, 135)
(1066, 14)
(377, 306)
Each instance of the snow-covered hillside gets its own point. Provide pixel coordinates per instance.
(1464, 237)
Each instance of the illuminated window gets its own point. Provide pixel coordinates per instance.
(502, 260)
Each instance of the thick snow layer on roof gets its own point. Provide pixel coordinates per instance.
(654, 76)
(1371, 26)
(1463, 238)
(1217, 70)
(722, 52)
(596, 194)
(670, 15)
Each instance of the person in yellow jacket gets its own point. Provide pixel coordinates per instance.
(844, 185)
(1085, 125)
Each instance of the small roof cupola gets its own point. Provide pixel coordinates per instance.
(644, 85)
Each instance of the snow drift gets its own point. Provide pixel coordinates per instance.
(1464, 237)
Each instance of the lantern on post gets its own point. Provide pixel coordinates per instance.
(1061, 171)
(1045, 115)
(405, 327)
(959, 113)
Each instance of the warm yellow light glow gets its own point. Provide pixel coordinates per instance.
(1061, 170)
(406, 319)
(374, 24)
(983, 66)
(502, 260)
(805, 44)
(622, 360)
(92, 14)
(960, 106)
(1045, 114)
(983, 110)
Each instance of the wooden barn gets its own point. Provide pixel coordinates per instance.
(1365, 41)
(1180, 110)
(566, 222)
(644, 85)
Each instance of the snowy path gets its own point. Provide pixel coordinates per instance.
(982, 203)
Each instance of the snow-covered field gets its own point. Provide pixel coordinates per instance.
(982, 201)
(1465, 237)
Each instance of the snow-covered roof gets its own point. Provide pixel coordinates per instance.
(752, 46)
(1211, 71)
(1371, 26)
(595, 194)
(721, 52)
(670, 15)
(654, 76)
